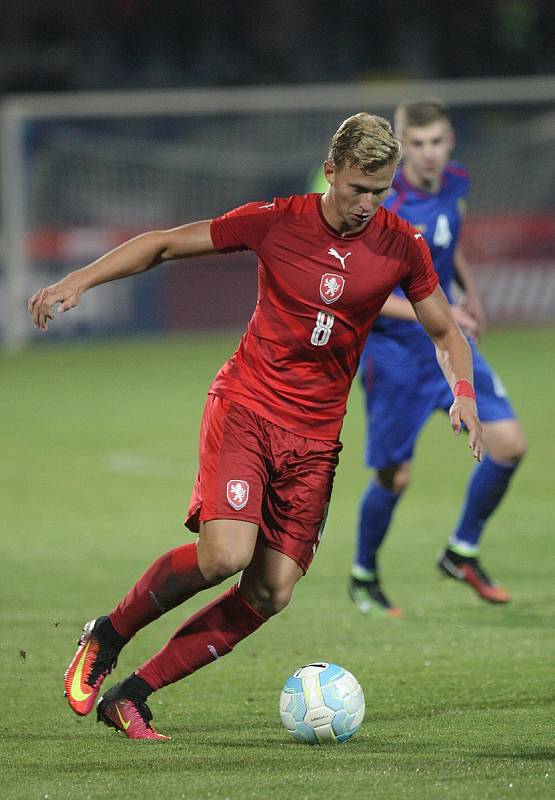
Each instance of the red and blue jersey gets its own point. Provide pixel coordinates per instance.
(438, 216)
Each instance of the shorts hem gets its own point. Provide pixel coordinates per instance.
(304, 565)
(385, 464)
(504, 418)
(192, 521)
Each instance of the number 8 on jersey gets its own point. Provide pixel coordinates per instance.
(322, 330)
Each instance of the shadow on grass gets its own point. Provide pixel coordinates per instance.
(524, 754)
(208, 734)
(163, 760)
(530, 615)
(450, 709)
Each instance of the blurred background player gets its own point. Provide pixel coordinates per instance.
(269, 437)
(402, 384)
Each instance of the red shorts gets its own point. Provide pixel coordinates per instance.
(255, 471)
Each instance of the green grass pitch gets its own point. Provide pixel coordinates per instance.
(98, 459)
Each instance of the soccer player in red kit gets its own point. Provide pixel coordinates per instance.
(269, 441)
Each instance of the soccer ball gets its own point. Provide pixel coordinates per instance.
(322, 703)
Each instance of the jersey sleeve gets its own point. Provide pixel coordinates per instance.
(459, 179)
(421, 279)
(243, 228)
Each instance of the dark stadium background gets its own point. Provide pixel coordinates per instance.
(107, 44)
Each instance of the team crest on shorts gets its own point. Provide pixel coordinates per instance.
(237, 494)
(331, 287)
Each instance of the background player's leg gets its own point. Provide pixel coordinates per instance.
(396, 416)
(376, 511)
(505, 446)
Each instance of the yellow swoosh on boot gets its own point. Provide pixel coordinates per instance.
(76, 691)
(125, 723)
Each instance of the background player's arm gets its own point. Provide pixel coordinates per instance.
(400, 308)
(472, 305)
(134, 256)
(455, 359)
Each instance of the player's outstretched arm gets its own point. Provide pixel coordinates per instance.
(455, 359)
(134, 256)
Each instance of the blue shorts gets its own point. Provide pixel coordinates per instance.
(404, 385)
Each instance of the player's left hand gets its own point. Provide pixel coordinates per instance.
(473, 306)
(466, 322)
(464, 411)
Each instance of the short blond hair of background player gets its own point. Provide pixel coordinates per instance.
(419, 114)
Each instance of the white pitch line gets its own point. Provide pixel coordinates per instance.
(129, 463)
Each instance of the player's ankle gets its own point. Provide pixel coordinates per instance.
(109, 636)
(360, 573)
(461, 550)
(135, 688)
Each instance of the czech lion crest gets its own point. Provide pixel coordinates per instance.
(237, 494)
(331, 287)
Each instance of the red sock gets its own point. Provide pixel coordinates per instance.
(209, 634)
(169, 581)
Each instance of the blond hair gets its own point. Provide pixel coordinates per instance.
(365, 141)
(419, 114)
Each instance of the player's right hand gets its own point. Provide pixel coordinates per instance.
(464, 412)
(41, 304)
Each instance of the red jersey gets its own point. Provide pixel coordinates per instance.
(318, 295)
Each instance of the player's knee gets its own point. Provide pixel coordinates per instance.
(270, 600)
(216, 566)
(278, 600)
(520, 447)
(396, 478)
(400, 482)
(514, 451)
(509, 449)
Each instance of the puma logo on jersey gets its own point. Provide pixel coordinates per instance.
(335, 254)
(267, 205)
